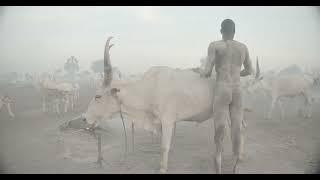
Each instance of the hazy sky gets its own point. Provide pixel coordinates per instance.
(42, 38)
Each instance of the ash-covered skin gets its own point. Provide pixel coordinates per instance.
(228, 55)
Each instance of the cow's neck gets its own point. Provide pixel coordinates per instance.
(133, 113)
(127, 97)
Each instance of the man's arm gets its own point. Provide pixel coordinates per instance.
(210, 61)
(247, 65)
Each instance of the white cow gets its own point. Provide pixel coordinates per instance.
(6, 101)
(58, 93)
(161, 98)
(283, 86)
(76, 93)
(96, 79)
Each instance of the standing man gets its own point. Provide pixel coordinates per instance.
(228, 55)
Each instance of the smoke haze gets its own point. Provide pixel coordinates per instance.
(42, 38)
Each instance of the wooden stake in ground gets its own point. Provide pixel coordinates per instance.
(100, 158)
(132, 134)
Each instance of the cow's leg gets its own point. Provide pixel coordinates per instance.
(1, 104)
(75, 99)
(78, 95)
(236, 116)
(273, 101)
(281, 109)
(244, 124)
(66, 104)
(49, 105)
(72, 102)
(9, 110)
(308, 105)
(166, 138)
(229, 121)
(309, 110)
(57, 107)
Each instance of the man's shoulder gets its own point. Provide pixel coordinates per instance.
(221, 43)
(240, 44)
(214, 44)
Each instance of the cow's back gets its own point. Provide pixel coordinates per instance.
(291, 84)
(183, 90)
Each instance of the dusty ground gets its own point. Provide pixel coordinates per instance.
(32, 143)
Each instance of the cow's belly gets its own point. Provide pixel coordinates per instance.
(191, 102)
(289, 92)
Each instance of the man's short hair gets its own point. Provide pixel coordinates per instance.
(227, 26)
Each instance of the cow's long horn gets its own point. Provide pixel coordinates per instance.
(257, 69)
(107, 64)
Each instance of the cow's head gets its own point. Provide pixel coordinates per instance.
(106, 103)
(316, 79)
(7, 99)
(254, 84)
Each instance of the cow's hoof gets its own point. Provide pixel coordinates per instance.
(163, 171)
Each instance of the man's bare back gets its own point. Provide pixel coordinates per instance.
(228, 55)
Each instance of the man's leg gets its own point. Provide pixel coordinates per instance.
(236, 115)
(221, 109)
